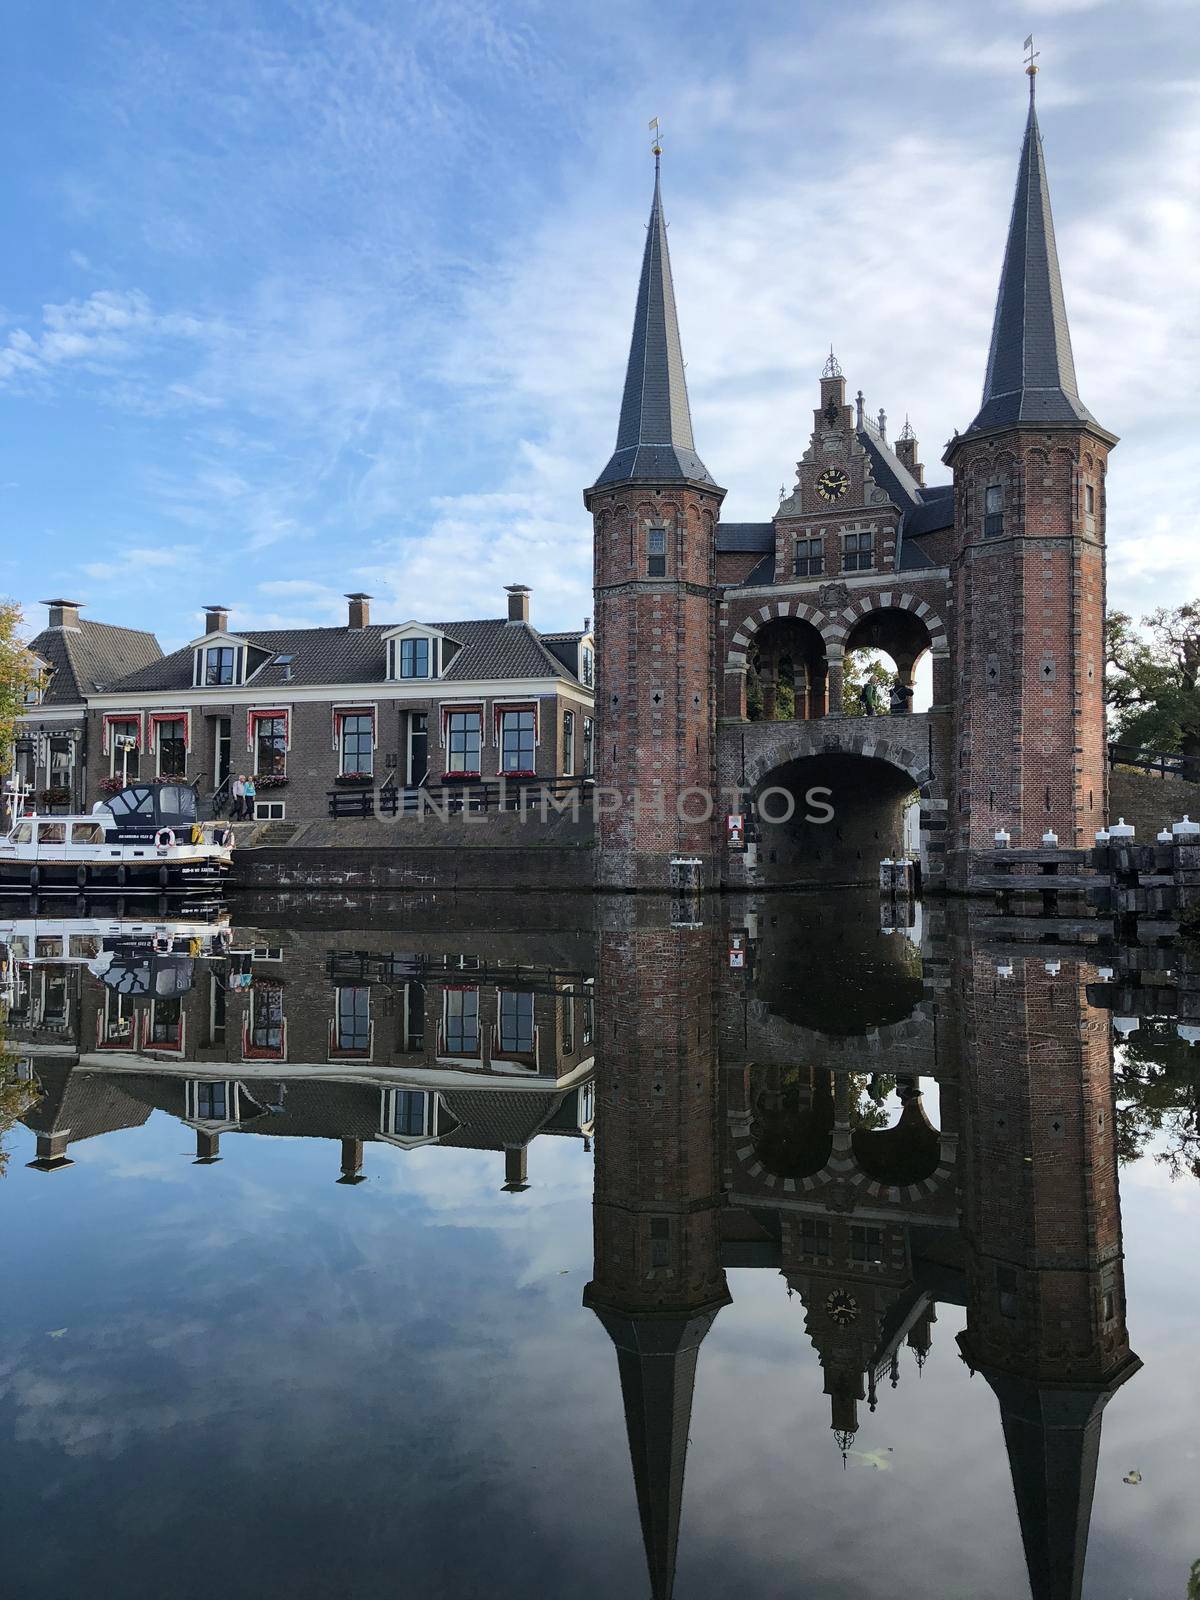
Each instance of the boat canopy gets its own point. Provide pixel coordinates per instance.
(161, 805)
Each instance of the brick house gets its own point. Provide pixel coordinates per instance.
(312, 710)
(73, 659)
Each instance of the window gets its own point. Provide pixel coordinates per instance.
(809, 558)
(270, 746)
(217, 1009)
(212, 1102)
(414, 658)
(462, 1022)
(123, 744)
(353, 1023)
(266, 1019)
(516, 1024)
(993, 510)
(587, 666)
(358, 744)
(568, 742)
(815, 1238)
(408, 1113)
(656, 552)
(171, 739)
(517, 741)
(660, 1241)
(589, 747)
(587, 1104)
(568, 1026)
(270, 810)
(87, 833)
(1006, 1289)
(166, 1021)
(866, 1245)
(52, 833)
(62, 762)
(464, 737)
(220, 662)
(858, 552)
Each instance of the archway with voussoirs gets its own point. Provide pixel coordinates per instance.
(787, 672)
(896, 640)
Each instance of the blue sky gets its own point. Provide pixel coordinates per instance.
(303, 297)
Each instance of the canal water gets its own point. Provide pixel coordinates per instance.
(436, 1246)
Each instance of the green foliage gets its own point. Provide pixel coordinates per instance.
(1158, 1098)
(863, 667)
(1152, 682)
(16, 676)
(15, 1100)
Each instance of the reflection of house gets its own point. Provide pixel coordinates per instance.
(305, 1042)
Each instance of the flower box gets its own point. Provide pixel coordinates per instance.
(354, 780)
(522, 774)
(271, 780)
(460, 777)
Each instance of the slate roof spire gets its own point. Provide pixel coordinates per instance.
(654, 435)
(1031, 371)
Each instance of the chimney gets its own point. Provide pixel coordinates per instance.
(216, 619)
(64, 614)
(360, 610)
(906, 449)
(51, 1154)
(516, 1169)
(352, 1160)
(208, 1148)
(518, 602)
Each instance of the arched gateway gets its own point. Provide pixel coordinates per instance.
(725, 648)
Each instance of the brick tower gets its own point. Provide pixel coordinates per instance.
(1028, 568)
(1042, 1224)
(657, 1282)
(654, 511)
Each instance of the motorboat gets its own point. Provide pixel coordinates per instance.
(146, 836)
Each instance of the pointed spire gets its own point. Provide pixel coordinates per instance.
(654, 436)
(1030, 371)
(656, 1355)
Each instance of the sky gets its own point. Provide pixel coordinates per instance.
(306, 296)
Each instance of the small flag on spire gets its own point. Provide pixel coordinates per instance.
(655, 136)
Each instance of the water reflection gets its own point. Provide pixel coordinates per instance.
(895, 1123)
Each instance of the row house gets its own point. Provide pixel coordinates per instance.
(306, 711)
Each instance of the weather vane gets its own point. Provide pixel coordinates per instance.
(1031, 61)
(655, 138)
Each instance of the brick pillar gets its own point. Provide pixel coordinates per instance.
(656, 696)
(1029, 583)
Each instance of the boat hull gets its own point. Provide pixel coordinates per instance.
(152, 873)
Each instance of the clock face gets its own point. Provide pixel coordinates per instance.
(841, 1307)
(832, 484)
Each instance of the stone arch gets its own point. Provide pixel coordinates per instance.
(774, 611)
(892, 600)
(853, 736)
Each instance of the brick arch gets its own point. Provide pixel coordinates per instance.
(939, 639)
(775, 611)
(877, 739)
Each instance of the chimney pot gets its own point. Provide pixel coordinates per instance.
(518, 602)
(63, 613)
(216, 619)
(360, 610)
(516, 1169)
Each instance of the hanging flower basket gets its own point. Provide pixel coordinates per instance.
(55, 797)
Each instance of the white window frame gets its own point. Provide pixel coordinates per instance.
(270, 810)
(114, 754)
(568, 744)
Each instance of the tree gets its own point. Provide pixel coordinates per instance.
(15, 1100)
(1157, 1081)
(862, 667)
(1152, 681)
(17, 674)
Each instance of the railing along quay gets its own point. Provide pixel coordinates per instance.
(452, 799)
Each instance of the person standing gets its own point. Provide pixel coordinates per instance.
(249, 792)
(237, 790)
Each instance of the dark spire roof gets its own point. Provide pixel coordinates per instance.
(1030, 371)
(654, 436)
(1053, 1441)
(656, 1355)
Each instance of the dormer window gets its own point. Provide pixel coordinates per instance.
(587, 666)
(220, 663)
(414, 654)
(414, 658)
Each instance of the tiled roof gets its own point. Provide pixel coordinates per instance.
(493, 648)
(889, 472)
(492, 1119)
(744, 537)
(763, 572)
(1031, 370)
(654, 435)
(97, 654)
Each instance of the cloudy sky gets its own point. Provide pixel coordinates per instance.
(301, 296)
